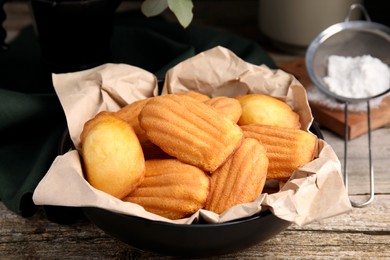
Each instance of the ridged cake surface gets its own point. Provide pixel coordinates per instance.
(190, 131)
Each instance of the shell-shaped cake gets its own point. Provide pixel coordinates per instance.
(130, 113)
(194, 94)
(190, 131)
(171, 189)
(230, 107)
(287, 148)
(112, 155)
(267, 110)
(241, 179)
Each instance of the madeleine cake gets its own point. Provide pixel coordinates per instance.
(190, 131)
(171, 188)
(267, 110)
(230, 107)
(287, 148)
(112, 155)
(240, 179)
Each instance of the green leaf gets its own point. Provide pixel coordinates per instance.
(182, 10)
(153, 7)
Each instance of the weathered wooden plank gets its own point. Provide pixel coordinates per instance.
(357, 160)
(357, 148)
(320, 245)
(372, 218)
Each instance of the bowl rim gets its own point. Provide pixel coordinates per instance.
(194, 225)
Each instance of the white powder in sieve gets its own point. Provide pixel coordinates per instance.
(316, 97)
(357, 77)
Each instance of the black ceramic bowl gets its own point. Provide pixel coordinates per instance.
(195, 240)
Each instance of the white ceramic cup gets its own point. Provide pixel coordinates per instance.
(293, 24)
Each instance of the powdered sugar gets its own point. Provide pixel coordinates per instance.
(317, 97)
(357, 77)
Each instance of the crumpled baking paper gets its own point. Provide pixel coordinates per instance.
(314, 192)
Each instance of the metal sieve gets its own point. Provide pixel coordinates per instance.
(349, 38)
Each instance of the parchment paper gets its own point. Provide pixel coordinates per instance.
(315, 191)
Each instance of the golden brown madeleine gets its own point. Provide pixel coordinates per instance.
(171, 189)
(230, 107)
(195, 95)
(267, 110)
(190, 131)
(287, 148)
(240, 179)
(112, 155)
(130, 113)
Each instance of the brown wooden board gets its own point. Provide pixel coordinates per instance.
(334, 119)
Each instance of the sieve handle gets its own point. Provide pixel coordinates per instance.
(371, 167)
(362, 9)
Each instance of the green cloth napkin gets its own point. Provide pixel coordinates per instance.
(32, 122)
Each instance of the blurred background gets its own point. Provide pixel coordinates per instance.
(281, 26)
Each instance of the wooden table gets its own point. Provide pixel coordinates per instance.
(362, 234)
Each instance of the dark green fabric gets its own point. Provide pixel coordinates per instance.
(32, 122)
(30, 127)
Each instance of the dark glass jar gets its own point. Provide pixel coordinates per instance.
(74, 34)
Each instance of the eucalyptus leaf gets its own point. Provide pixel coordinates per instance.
(153, 7)
(182, 10)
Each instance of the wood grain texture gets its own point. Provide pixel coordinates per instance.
(357, 160)
(363, 233)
